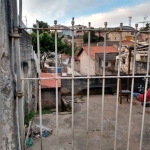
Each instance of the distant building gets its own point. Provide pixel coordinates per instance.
(141, 60)
(63, 30)
(83, 57)
(64, 59)
(127, 35)
(109, 63)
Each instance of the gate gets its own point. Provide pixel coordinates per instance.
(88, 77)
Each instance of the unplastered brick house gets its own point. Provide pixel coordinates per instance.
(48, 91)
(83, 57)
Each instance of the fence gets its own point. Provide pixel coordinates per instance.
(88, 78)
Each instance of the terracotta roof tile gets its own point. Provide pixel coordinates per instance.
(49, 83)
(99, 49)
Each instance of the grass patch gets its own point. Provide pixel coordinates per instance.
(69, 108)
(29, 117)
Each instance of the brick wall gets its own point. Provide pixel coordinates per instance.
(48, 97)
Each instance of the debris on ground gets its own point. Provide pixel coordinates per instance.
(29, 142)
(34, 131)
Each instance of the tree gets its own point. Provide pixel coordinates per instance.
(146, 28)
(47, 45)
(94, 37)
(41, 25)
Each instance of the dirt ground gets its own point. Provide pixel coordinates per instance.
(80, 133)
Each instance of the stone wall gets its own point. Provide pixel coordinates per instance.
(8, 129)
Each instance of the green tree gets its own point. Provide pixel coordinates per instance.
(41, 25)
(146, 28)
(47, 45)
(94, 38)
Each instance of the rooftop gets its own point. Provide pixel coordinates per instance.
(49, 83)
(109, 56)
(76, 58)
(108, 43)
(98, 49)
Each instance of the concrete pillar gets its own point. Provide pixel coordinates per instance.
(8, 129)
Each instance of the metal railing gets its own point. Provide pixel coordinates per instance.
(88, 77)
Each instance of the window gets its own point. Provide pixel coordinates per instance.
(106, 64)
(115, 38)
(123, 60)
(144, 58)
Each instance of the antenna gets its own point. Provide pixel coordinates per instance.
(130, 21)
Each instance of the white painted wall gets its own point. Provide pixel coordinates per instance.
(84, 64)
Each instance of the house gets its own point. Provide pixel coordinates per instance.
(141, 60)
(126, 35)
(64, 59)
(48, 91)
(142, 37)
(63, 30)
(83, 57)
(109, 63)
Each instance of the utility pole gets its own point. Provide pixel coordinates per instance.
(130, 21)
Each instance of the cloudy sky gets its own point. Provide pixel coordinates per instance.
(95, 11)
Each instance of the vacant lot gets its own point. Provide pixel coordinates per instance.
(80, 136)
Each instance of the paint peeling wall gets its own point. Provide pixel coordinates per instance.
(8, 129)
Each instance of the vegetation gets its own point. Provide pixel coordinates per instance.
(47, 43)
(41, 25)
(94, 37)
(146, 28)
(29, 117)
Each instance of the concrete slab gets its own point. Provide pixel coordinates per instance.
(95, 111)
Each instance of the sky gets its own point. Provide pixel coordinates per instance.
(95, 11)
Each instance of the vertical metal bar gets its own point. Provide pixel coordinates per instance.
(88, 86)
(19, 100)
(40, 105)
(116, 122)
(56, 71)
(131, 101)
(103, 87)
(20, 13)
(143, 116)
(72, 66)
